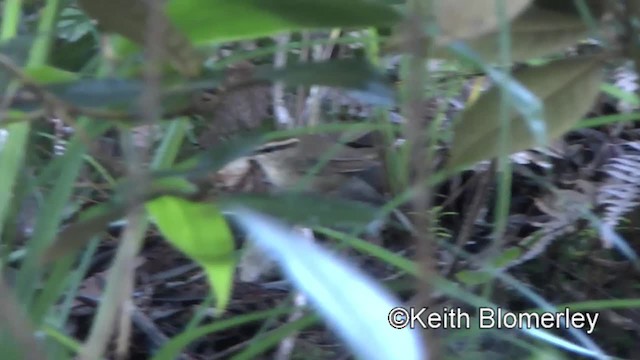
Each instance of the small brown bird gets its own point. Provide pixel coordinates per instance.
(340, 170)
(232, 108)
(351, 173)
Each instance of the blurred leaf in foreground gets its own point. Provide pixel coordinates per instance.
(306, 209)
(567, 89)
(97, 219)
(221, 20)
(115, 94)
(356, 74)
(200, 231)
(122, 94)
(352, 303)
(48, 74)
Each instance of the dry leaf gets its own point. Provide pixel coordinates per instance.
(463, 19)
(567, 89)
(536, 32)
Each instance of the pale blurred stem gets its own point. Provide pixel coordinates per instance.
(301, 93)
(11, 161)
(121, 275)
(316, 93)
(111, 300)
(13, 151)
(421, 157)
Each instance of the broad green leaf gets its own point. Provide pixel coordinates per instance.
(520, 98)
(222, 20)
(305, 209)
(325, 278)
(97, 218)
(114, 94)
(357, 75)
(567, 89)
(129, 19)
(99, 93)
(463, 19)
(73, 25)
(200, 231)
(47, 74)
(123, 94)
(536, 32)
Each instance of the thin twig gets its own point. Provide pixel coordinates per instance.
(420, 143)
(120, 282)
(317, 93)
(480, 195)
(279, 105)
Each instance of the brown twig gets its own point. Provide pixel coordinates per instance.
(421, 161)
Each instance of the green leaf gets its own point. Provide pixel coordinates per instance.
(99, 92)
(305, 209)
(200, 231)
(222, 20)
(472, 278)
(123, 94)
(350, 74)
(506, 257)
(113, 94)
(47, 74)
(567, 89)
(535, 33)
(97, 218)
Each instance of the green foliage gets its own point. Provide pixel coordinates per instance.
(237, 20)
(48, 75)
(89, 80)
(201, 232)
(306, 209)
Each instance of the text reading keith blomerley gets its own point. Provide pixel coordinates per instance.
(491, 318)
